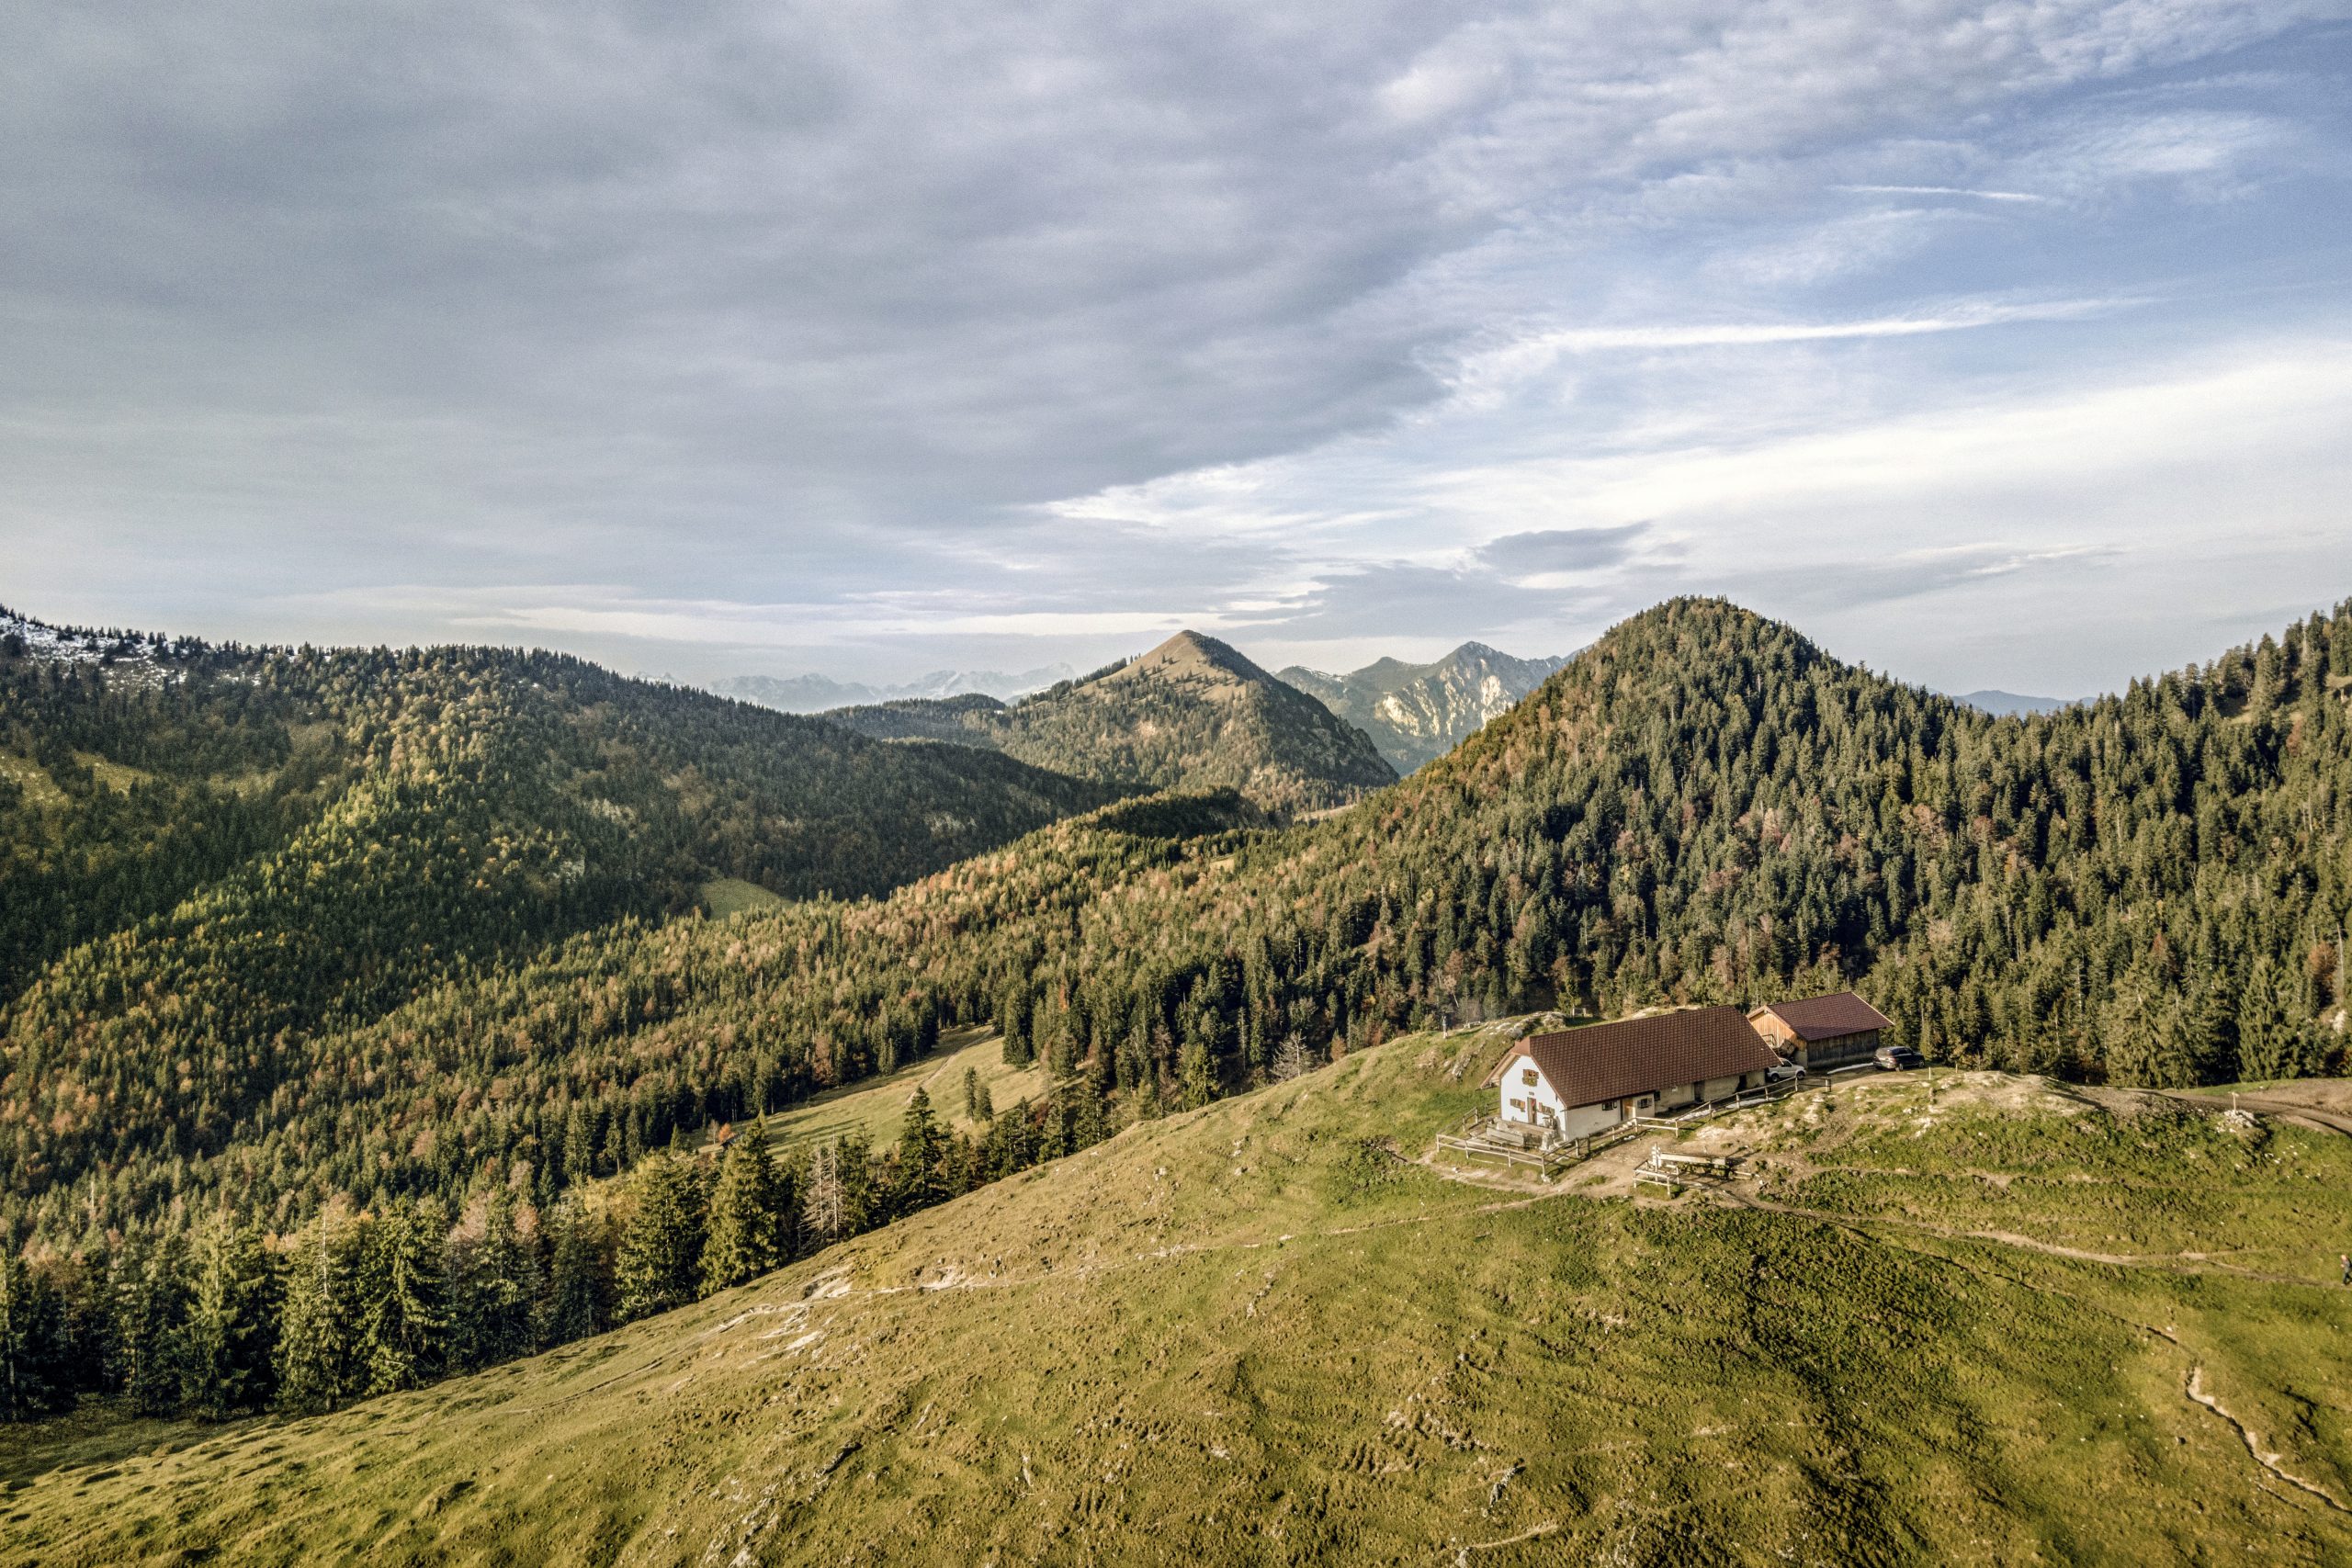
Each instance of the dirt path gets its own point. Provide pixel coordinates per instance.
(2284, 1107)
(2176, 1263)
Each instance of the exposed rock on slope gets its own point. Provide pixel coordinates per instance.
(1417, 712)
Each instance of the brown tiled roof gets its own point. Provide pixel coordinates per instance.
(1827, 1017)
(1641, 1055)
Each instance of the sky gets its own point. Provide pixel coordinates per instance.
(2000, 345)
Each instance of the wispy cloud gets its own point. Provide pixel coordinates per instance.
(2017, 195)
(1537, 352)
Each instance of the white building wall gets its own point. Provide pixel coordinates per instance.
(1538, 1104)
(1529, 1105)
(1586, 1120)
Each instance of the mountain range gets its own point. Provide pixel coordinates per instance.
(1415, 713)
(1190, 713)
(814, 693)
(2009, 703)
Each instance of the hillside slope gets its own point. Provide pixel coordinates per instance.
(1191, 713)
(207, 854)
(1258, 1332)
(1416, 712)
(1703, 806)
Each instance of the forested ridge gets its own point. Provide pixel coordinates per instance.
(243, 850)
(1703, 806)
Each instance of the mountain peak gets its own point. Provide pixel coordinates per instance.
(1191, 650)
(1416, 712)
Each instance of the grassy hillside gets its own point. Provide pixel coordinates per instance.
(873, 1110)
(1192, 714)
(1259, 1330)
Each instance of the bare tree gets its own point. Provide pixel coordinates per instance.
(826, 1212)
(1292, 1057)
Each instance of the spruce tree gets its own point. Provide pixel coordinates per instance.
(922, 1175)
(746, 1214)
(860, 1207)
(1013, 1022)
(320, 1366)
(33, 1383)
(579, 1145)
(229, 1341)
(151, 1296)
(660, 1266)
(581, 1290)
(494, 1281)
(405, 1337)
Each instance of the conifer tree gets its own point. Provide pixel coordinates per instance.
(854, 1162)
(319, 1364)
(32, 1381)
(494, 1281)
(151, 1296)
(746, 1214)
(406, 1324)
(1196, 1082)
(922, 1175)
(1012, 1020)
(579, 1145)
(229, 1341)
(660, 1266)
(581, 1288)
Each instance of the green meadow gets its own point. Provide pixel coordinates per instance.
(2024, 1324)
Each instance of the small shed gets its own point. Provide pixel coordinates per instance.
(1820, 1033)
(1577, 1082)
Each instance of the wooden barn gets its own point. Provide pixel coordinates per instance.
(1820, 1033)
(1581, 1081)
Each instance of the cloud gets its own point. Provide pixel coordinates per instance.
(2204, 153)
(1538, 353)
(2018, 196)
(1549, 552)
(1844, 584)
(906, 323)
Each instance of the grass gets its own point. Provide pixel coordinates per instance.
(877, 1106)
(725, 896)
(1261, 1332)
(32, 778)
(116, 776)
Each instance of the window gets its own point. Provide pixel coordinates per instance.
(1519, 1105)
(1527, 1077)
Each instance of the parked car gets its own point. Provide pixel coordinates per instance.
(1781, 1072)
(1898, 1058)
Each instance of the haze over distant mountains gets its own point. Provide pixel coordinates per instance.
(2009, 703)
(1416, 712)
(814, 693)
(1193, 713)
